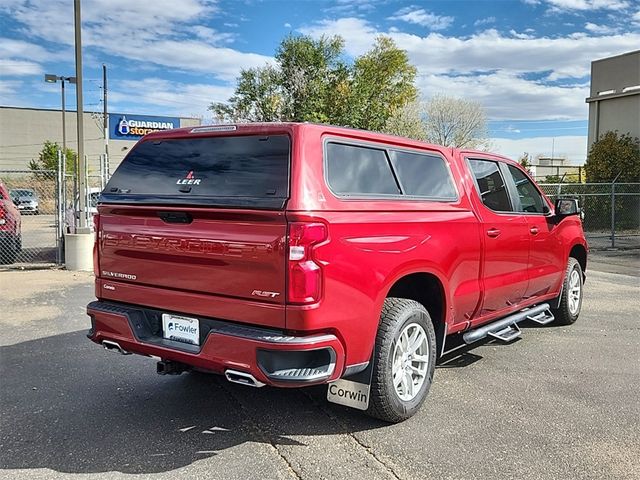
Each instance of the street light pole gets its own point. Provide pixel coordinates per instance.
(64, 124)
(81, 172)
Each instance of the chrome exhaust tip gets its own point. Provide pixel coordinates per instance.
(114, 347)
(242, 378)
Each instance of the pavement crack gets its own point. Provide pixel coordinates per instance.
(389, 468)
(260, 433)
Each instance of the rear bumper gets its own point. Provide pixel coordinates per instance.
(271, 356)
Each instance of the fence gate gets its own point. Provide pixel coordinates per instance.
(36, 194)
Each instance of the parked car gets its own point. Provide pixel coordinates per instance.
(26, 200)
(298, 254)
(10, 227)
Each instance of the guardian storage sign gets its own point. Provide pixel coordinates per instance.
(134, 127)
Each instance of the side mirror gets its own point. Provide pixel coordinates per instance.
(566, 207)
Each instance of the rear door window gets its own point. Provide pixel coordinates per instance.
(358, 170)
(236, 171)
(491, 187)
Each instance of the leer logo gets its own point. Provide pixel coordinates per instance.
(190, 179)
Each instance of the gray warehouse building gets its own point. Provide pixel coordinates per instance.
(614, 100)
(24, 130)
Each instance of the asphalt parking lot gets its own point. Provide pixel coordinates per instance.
(562, 402)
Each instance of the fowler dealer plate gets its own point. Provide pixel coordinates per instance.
(181, 329)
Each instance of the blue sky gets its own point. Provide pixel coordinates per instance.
(526, 61)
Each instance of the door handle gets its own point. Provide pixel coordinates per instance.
(493, 232)
(534, 230)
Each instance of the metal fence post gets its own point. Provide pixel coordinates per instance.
(59, 208)
(613, 211)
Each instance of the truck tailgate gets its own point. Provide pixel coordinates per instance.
(213, 255)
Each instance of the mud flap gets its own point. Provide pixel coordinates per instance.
(352, 391)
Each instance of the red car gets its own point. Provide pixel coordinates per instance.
(298, 254)
(10, 227)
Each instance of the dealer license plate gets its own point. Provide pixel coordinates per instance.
(181, 329)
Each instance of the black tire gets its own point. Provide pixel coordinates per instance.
(567, 311)
(384, 402)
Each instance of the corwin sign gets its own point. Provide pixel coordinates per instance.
(134, 127)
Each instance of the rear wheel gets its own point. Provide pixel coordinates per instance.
(571, 296)
(403, 362)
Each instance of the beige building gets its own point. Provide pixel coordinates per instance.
(614, 101)
(24, 130)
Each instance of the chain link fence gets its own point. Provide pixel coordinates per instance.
(36, 195)
(48, 203)
(611, 211)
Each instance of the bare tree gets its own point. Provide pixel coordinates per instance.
(455, 122)
(407, 122)
(443, 120)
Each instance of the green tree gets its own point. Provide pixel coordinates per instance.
(525, 161)
(383, 83)
(48, 158)
(613, 154)
(310, 80)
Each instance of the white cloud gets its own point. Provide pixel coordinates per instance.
(508, 74)
(20, 58)
(484, 21)
(287, 25)
(359, 34)
(420, 16)
(351, 7)
(17, 68)
(162, 32)
(572, 147)
(600, 29)
(167, 97)
(507, 96)
(636, 18)
(585, 5)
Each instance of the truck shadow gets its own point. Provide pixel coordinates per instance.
(69, 406)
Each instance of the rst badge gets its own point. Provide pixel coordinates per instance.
(264, 294)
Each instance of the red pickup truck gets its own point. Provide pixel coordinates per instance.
(296, 254)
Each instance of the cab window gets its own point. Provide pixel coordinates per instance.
(491, 186)
(531, 200)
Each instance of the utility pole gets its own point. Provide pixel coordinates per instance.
(105, 115)
(81, 171)
(64, 124)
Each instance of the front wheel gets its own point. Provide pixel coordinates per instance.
(403, 362)
(571, 296)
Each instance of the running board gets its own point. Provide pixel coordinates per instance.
(506, 329)
(543, 318)
(507, 334)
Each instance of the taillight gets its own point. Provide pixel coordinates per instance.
(305, 275)
(2, 219)
(96, 229)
